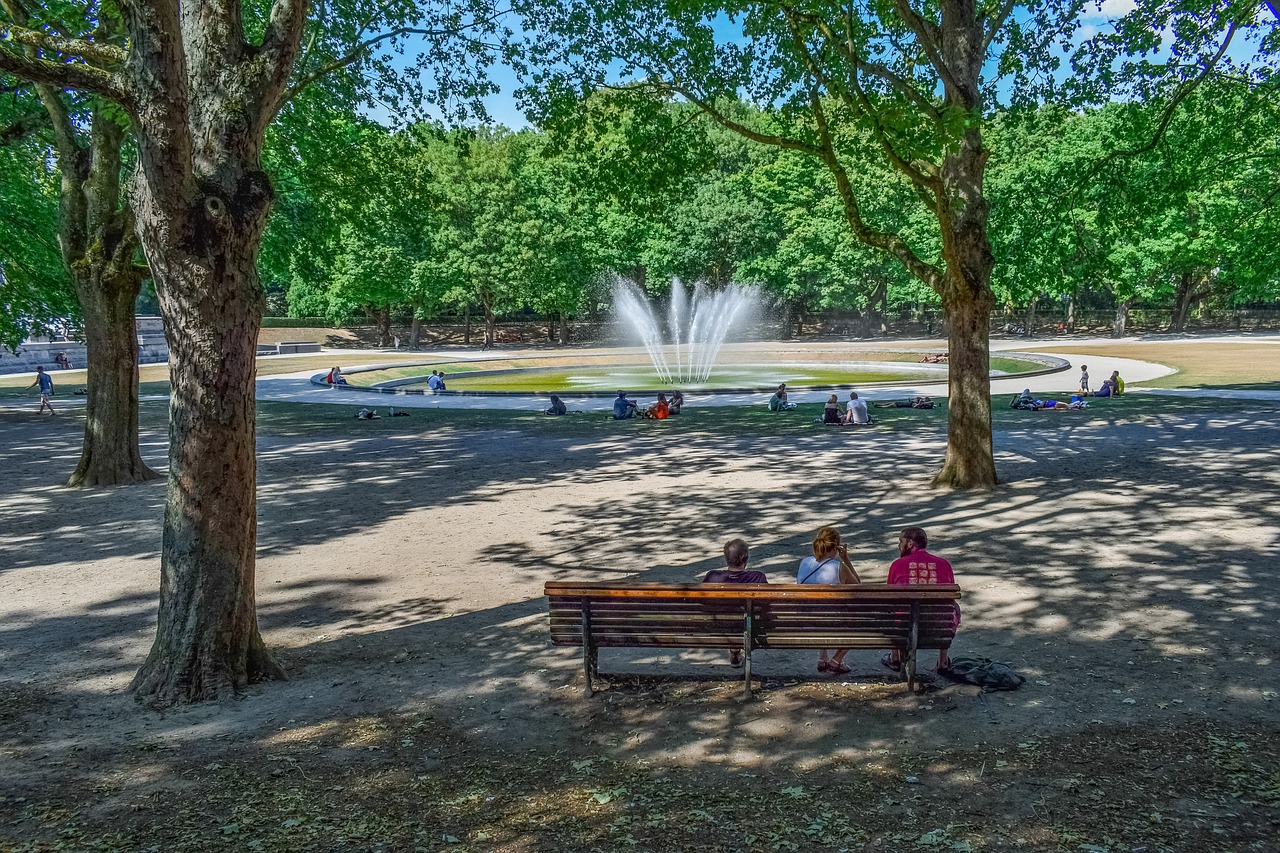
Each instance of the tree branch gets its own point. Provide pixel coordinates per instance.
(353, 56)
(889, 243)
(926, 32)
(1167, 116)
(995, 22)
(875, 69)
(106, 55)
(85, 78)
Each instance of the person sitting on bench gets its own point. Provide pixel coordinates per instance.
(829, 564)
(915, 565)
(735, 559)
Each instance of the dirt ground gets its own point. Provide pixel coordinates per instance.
(1127, 569)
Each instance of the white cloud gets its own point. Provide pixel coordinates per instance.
(1116, 8)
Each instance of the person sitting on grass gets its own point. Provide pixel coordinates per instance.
(915, 566)
(829, 564)
(623, 408)
(557, 406)
(778, 402)
(1105, 390)
(831, 411)
(735, 559)
(677, 403)
(659, 410)
(855, 413)
(1117, 384)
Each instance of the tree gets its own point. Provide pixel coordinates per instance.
(917, 78)
(201, 83)
(34, 289)
(99, 248)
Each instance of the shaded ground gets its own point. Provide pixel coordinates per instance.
(1127, 569)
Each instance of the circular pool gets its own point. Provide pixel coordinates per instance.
(740, 368)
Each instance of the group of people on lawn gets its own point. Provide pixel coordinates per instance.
(665, 407)
(1112, 386)
(830, 565)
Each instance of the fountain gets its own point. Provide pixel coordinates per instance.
(697, 326)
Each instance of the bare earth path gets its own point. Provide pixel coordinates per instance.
(1127, 569)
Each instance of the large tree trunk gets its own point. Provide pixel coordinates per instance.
(207, 641)
(98, 243)
(110, 454)
(962, 211)
(564, 329)
(384, 326)
(415, 332)
(1071, 313)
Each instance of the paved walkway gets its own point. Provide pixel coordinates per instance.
(297, 387)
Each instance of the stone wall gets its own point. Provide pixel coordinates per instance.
(39, 351)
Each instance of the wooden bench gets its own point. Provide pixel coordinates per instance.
(751, 616)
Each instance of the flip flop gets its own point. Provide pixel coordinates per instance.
(889, 663)
(838, 669)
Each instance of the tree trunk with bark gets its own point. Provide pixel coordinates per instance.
(384, 326)
(1121, 322)
(1070, 322)
(110, 455)
(97, 241)
(1190, 291)
(202, 104)
(207, 640)
(564, 329)
(967, 299)
(415, 332)
(107, 283)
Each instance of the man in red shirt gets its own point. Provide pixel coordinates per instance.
(916, 565)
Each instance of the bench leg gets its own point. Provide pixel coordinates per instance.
(588, 652)
(746, 653)
(909, 659)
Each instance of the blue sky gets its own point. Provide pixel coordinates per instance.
(503, 109)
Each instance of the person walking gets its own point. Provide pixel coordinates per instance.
(45, 381)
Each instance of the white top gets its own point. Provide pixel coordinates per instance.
(858, 408)
(811, 572)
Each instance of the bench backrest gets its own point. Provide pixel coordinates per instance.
(697, 615)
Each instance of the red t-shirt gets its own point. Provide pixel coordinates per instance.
(921, 567)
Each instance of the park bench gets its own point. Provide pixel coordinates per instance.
(751, 616)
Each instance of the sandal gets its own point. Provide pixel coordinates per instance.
(888, 662)
(838, 669)
(735, 658)
(824, 666)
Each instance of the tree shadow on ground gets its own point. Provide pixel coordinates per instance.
(1127, 570)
